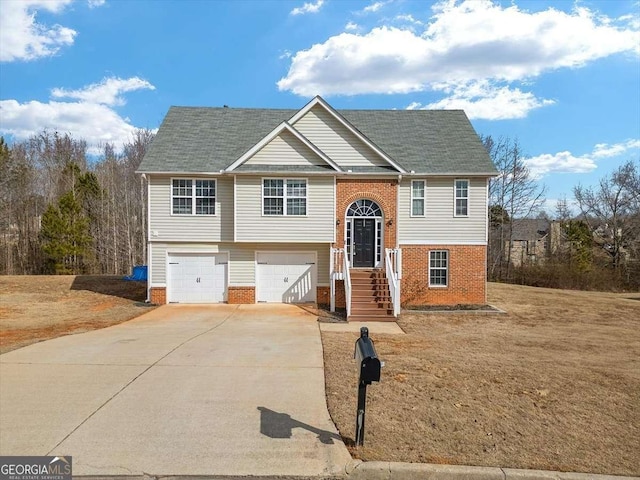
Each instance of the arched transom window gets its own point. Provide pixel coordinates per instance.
(364, 208)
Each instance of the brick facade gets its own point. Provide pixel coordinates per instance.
(466, 282)
(241, 295)
(323, 295)
(158, 295)
(384, 192)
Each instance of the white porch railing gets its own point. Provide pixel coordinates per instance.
(393, 271)
(340, 271)
(347, 284)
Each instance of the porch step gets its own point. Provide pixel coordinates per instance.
(370, 297)
(370, 318)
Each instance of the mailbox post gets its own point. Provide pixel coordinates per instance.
(369, 365)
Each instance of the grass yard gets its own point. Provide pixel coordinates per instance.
(552, 385)
(37, 308)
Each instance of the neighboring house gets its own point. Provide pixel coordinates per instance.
(531, 240)
(360, 209)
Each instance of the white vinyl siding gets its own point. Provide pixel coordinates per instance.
(164, 226)
(285, 149)
(336, 141)
(242, 258)
(253, 226)
(438, 225)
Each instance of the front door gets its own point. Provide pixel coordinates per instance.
(364, 242)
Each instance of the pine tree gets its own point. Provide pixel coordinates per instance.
(65, 234)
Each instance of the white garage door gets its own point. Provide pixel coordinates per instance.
(286, 277)
(197, 278)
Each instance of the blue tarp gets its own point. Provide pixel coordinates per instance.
(139, 274)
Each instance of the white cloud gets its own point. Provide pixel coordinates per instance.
(307, 8)
(95, 3)
(351, 26)
(484, 100)
(374, 7)
(107, 92)
(466, 43)
(604, 150)
(566, 162)
(408, 18)
(22, 38)
(91, 118)
(561, 162)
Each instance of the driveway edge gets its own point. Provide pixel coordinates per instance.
(359, 470)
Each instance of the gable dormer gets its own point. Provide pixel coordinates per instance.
(338, 139)
(284, 146)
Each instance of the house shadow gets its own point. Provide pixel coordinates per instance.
(280, 425)
(112, 285)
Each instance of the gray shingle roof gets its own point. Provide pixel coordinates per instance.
(204, 139)
(529, 228)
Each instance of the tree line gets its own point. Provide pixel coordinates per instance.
(594, 245)
(65, 211)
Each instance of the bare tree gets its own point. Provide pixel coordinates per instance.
(514, 194)
(612, 210)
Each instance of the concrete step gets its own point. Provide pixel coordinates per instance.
(370, 318)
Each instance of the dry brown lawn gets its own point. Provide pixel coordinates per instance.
(37, 308)
(552, 385)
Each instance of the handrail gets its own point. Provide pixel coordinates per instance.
(339, 265)
(392, 279)
(347, 282)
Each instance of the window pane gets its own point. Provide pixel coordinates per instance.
(205, 206)
(462, 187)
(296, 188)
(273, 188)
(417, 206)
(205, 188)
(418, 189)
(182, 205)
(296, 206)
(461, 206)
(273, 206)
(181, 187)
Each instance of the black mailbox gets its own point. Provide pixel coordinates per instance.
(367, 358)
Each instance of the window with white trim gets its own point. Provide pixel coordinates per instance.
(462, 198)
(192, 196)
(438, 268)
(284, 196)
(417, 198)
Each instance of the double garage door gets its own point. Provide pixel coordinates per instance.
(285, 277)
(280, 277)
(197, 278)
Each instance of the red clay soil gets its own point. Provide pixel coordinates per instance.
(37, 308)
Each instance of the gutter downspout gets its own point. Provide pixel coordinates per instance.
(143, 178)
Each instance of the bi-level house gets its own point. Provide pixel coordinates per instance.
(359, 209)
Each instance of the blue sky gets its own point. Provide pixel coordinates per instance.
(563, 77)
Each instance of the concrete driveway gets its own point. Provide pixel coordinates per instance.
(181, 390)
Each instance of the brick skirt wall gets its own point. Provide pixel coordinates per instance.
(466, 282)
(158, 295)
(241, 295)
(323, 296)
